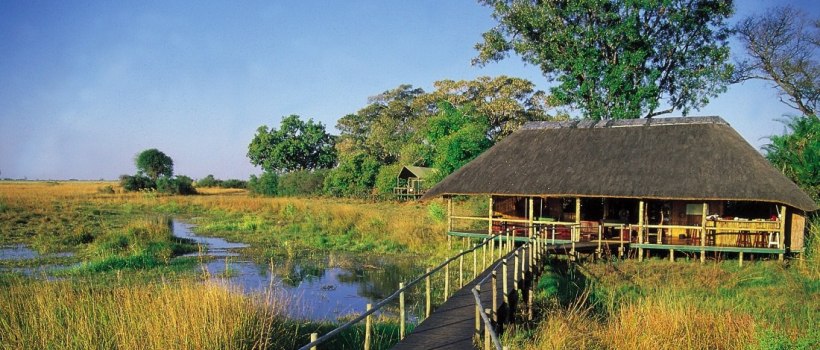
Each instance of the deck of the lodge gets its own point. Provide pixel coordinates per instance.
(452, 325)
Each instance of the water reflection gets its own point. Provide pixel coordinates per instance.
(21, 252)
(323, 289)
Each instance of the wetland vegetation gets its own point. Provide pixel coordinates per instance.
(104, 250)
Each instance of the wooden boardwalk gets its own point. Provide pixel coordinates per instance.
(452, 325)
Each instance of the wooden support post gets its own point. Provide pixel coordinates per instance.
(490, 218)
(487, 340)
(461, 269)
(368, 328)
(530, 299)
(492, 248)
(509, 240)
(578, 210)
(781, 239)
(427, 303)
(402, 313)
(475, 262)
(504, 283)
(740, 259)
(449, 214)
(671, 255)
(494, 287)
(446, 280)
(600, 233)
(484, 255)
(531, 204)
(313, 338)
(515, 271)
(640, 229)
(703, 232)
(478, 312)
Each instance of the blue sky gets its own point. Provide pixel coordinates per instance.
(86, 85)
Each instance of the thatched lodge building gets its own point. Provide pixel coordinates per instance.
(689, 184)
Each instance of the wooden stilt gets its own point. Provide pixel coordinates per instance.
(402, 314)
(427, 302)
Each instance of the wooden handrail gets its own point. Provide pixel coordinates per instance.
(383, 302)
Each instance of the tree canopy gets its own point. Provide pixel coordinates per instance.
(296, 145)
(617, 59)
(782, 45)
(153, 163)
(797, 153)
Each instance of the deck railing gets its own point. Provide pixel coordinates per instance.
(495, 243)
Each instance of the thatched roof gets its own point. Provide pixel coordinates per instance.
(692, 158)
(414, 171)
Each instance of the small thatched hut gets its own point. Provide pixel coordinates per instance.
(686, 184)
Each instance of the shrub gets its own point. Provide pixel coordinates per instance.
(208, 181)
(301, 183)
(386, 179)
(266, 184)
(179, 184)
(136, 183)
(355, 176)
(233, 183)
(108, 189)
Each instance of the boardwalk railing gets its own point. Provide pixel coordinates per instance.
(529, 257)
(497, 243)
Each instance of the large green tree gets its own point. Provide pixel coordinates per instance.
(618, 58)
(384, 126)
(458, 135)
(296, 145)
(781, 48)
(153, 163)
(506, 102)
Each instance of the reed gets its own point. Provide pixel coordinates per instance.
(73, 315)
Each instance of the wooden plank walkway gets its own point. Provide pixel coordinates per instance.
(452, 325)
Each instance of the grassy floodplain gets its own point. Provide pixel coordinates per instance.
(657, 304)
(127, 278)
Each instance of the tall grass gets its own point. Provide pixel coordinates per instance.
(67, 315)
(663, 305)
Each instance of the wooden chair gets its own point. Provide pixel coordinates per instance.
(743, 239)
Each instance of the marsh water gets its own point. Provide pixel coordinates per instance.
(327, 288)
(22, 252)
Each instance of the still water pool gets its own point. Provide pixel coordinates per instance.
(327, 289)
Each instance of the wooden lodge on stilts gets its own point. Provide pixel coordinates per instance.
(688, 185)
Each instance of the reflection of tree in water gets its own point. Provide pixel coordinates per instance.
(379, 280)
(292, 274)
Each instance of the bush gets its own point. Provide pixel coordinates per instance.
(233, 183)
(208, 181)
(136, 183)
(179, 184)
(301, 183)
(386, 179)
(108, 189)
(266, 184)
(355, 176)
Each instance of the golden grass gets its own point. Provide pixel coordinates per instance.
(65, 315)
(665, 305)
(657, 323)
(53, 212)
